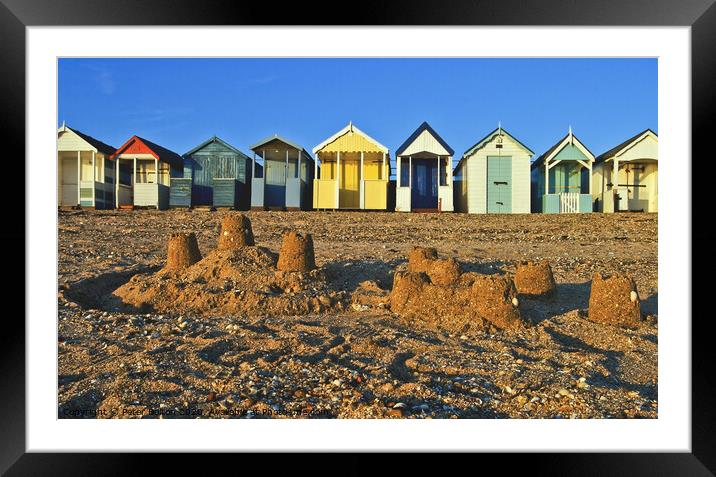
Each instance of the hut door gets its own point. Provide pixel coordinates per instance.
(425, 184)
(275, 192)
(499, 184)
(350, 185)
(69, 181)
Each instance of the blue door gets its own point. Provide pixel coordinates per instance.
(424, 192)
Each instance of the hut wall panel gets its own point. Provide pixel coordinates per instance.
(324, 194)
(225, 192)
(570, 152)
(647, 148)
(293, 192)
(69, 141)
(550, 203)
(521, 185)
(425, 142)
(477, 185)
(257, 192)
(146, 195)
(402, 199)
(351, 143)
(180, 192)
(376, 195)
(460, 188)
(162, 197)
(585, 203)
(445, 198)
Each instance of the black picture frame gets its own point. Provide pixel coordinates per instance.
(700, 15)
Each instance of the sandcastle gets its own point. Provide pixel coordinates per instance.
(238, 277)
(614, 300)
(434, 292)
(235, 232)
(296, 253)
(534, 278)
(182, 251)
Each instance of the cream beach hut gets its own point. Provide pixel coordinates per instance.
(424, 172)
(561, 178)
(144, 169)
(85, 176)
(625, 178)
(354, 173)
(493, 176)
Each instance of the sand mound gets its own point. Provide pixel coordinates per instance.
(182, 251)
(534, 278)
(235, 232)
(614, 300)
(440, 296)
(296, 253)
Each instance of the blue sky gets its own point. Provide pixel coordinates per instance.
(180, 103)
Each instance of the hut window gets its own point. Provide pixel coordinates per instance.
(99, 169)
(86, 169)
(145, 172)
(443, 171)
(404, 172)
(163, 173)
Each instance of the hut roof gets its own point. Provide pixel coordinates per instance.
(95, 143)
(217, 140)
(617, 149)
(558, 147)
(276, 137)
(350, 128)
(482, 142)
(148, 147)
(423, 127)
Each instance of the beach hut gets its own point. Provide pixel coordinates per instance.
(284, 181)
(355, 171)
(144, 170)
(424, 172)
(625, 178)
(216, 174)
(493, 176)
(85, 176)
(561, 178)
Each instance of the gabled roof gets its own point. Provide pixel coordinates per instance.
(346, 130)
(617, 149)
(554, 150)
(423, 127)
(95, 143)
(482, 142)
(161, 153)
(220, 141)
(276, 137)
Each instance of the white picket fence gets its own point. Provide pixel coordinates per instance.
(568, 203)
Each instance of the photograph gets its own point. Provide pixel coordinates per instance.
(357, 237)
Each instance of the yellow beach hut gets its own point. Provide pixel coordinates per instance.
(625, 178)
(354, 173)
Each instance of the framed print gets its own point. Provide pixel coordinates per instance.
(430, 228)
